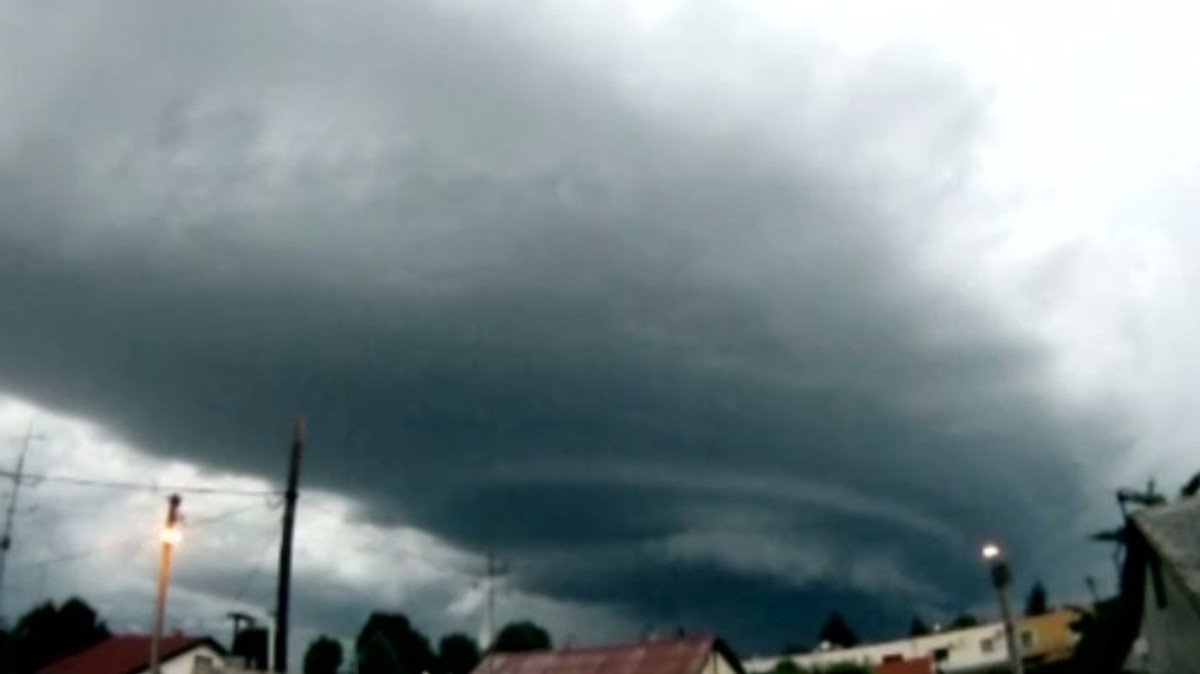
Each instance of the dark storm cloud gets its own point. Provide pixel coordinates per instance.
(526, 305)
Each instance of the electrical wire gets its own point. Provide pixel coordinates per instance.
(141, 486)
(260, 559)
(89, 552)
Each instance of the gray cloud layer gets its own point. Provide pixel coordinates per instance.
(572, 304)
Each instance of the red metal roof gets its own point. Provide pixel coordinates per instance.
(685, 655)
(124, 654)
(913, 666)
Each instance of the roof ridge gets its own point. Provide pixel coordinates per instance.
(620, 645)
(125, 653)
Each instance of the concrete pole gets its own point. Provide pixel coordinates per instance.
(1010, 632)
(170, 537)
(1000, 580)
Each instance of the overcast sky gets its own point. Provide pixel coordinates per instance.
(715, 314)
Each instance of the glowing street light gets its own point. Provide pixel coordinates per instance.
(1000, 578)
(991, 551)
(171, 536)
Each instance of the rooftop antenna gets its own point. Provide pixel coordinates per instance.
(18, 478)
(494, 572)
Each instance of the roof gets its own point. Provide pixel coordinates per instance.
(685, 655)
(1173, 531)
(126, 654)
(913, 666)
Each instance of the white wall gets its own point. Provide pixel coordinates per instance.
(1172, 633)
(718, 665)
(184, 662)
(964, 651)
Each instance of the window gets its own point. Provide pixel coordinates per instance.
(1026, 641)
(987, 645)
(941, 654)
(894, 657)
(203, 664)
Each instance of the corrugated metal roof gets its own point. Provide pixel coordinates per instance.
(1173, 530)
(124, 654)
(913, 666)
(686, 655)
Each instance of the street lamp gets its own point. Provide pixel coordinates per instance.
(1000, 580)
(171, 537)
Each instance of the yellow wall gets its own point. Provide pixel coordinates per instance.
(1053, 638)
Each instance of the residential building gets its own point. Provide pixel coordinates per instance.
(1166, 544)
(1045, 638)
(130, 654)
(914, 666)
(683, 655)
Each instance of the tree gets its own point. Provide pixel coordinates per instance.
(796, 649)
(963, 621)
(917, 628)
(1035, 603)
(837, 632)
(47, 633)
(457, 654)
(388, 644)
(324, 656)
(521, 636)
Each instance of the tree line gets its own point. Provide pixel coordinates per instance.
(47, 633)
(389, 643)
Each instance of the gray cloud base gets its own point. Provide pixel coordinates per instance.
(532, 307)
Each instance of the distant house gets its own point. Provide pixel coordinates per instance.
(130, 654)
(1167, 545)
(914, 666)
(1041, 639)
(684, 655)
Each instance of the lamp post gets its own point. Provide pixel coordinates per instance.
(171, 536)
(1000, 580)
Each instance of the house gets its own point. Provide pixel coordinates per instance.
(130, 654)
(1165, 544)
(914, 666)
(1042, 639)
(683, 655)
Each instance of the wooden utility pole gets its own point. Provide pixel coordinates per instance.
(283, 597)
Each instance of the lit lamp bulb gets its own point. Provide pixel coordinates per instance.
(172, 535)
(991, 551)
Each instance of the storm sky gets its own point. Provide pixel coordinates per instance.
(712, 314)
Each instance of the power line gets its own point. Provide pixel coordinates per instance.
(141, 486)
(260, 562)
(89, 552)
